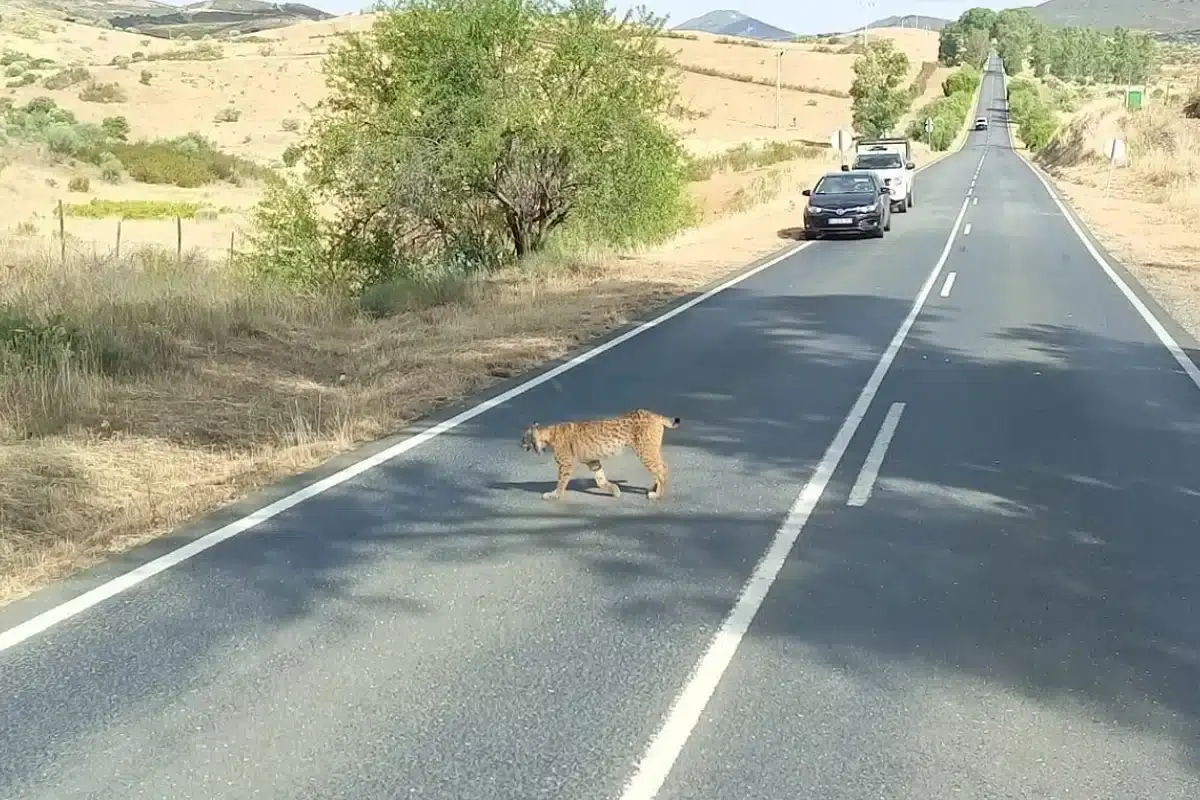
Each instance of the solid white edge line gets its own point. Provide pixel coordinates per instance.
(1168, 341)
(949, 284)
(671, 737)
(860, 492)
(98, 594)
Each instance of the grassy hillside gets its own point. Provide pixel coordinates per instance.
(918, 21)
(1155, 15)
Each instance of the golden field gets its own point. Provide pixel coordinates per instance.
(228, 389)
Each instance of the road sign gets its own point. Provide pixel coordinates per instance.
(841, 140)
(928, 125)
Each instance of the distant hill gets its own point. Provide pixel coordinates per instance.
(1165, 16)
(735, 23)
(207, 17)
(918, 21)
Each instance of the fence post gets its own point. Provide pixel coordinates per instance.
(62, 234)
(119, 221)
(179, 240)
(231, 235)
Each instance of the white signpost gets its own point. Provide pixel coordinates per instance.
(841, 140)
(1114, 151)
(928, 125)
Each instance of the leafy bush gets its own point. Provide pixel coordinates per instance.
(186, 161)
(205, 51)
(145, 77)
(949, 113)
(964, 79)
(115, 128)
(66, 78)
(1035, 119)
(95, 92)
(79, 183)
(228, 114)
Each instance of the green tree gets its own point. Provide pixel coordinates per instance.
(878, 99)
(465, 132)
(978, 45)
(951, 42)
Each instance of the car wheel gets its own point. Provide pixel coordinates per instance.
(909, 202)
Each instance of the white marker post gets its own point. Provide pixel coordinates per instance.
(841, 140)
(1114, 150)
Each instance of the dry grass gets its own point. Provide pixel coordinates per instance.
(1157, 188)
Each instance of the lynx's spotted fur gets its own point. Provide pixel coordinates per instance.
(588, 441)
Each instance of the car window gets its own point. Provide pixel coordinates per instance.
(845, 184)
(879, 161)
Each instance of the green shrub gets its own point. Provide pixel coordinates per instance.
(115, 128)
(111, 168)
(228, 114)
(964, 79)
(187, 161)
(79, 183)
(66, 78)
(145, 77)
(95, 92)
(132, 209)
(1035, 119)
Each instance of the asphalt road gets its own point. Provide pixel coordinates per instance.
(1013, 611)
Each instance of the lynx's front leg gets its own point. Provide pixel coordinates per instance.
(564, 477)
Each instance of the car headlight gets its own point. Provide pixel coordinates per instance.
(862, 209)
(816, 210)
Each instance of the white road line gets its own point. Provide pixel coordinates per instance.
(860, 492)
(967, 229)
(949, 284)
(671, 737)
(975, 201)
(1168, 341)
(126, 581)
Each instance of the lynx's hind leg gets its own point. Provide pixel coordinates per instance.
(565, 466)
(602, 482)
(650, 453)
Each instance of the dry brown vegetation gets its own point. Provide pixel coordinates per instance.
(206, 387)
(1157, 187)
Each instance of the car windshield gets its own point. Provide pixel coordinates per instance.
(879, 161)
(845, 184)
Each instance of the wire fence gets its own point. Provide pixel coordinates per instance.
(80, 240)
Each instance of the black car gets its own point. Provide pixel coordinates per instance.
(856, 201)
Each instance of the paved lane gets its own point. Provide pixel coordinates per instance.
(433, 627)
(1015, 609)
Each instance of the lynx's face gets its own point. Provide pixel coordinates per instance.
(531, 440)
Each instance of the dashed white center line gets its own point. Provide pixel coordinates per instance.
(861, 491)
(949, 284)
(967, 229)
(975, 201)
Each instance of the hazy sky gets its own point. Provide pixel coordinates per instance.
(801, 16)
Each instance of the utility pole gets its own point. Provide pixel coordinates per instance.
(778, 76)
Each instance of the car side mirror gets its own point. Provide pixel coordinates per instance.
(845, 167)
(807, 193)
(883, 190)
(910, 165)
